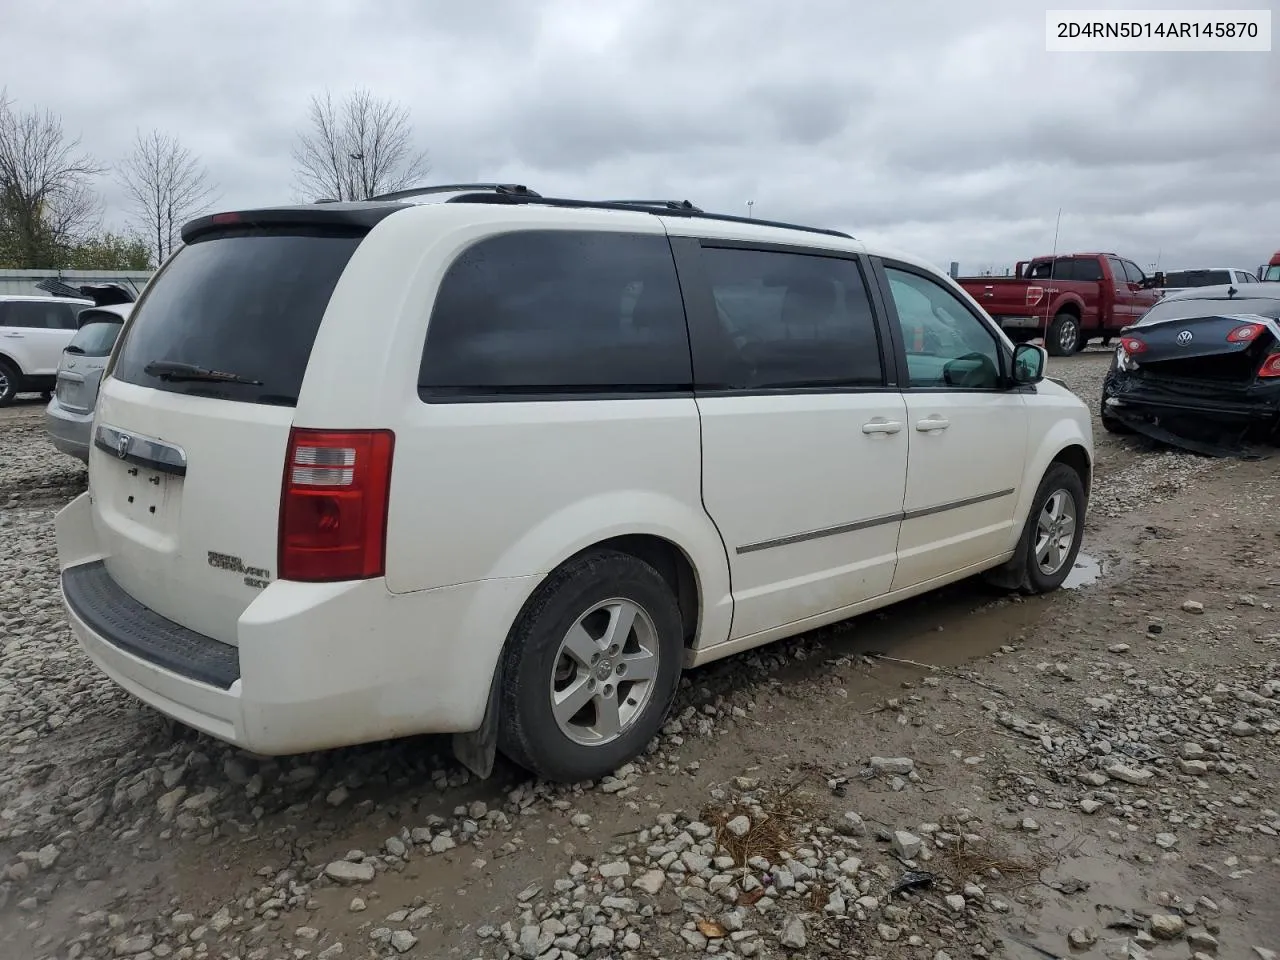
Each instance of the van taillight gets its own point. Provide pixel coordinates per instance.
(333, 504)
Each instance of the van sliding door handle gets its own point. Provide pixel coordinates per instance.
(882, 426)
(932, 424)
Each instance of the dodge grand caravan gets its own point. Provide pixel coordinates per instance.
(503, 466)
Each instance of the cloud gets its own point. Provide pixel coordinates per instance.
(938, 127)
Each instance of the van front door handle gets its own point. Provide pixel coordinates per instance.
(882, 426)
(932, 424)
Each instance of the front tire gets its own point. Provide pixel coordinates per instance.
(590, 668)
(9, 377)
(1051, 537)
(1063, 338)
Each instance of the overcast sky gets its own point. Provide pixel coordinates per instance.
(941, 127)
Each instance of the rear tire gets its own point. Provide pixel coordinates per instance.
(1064, 338)
(1051, 538)
(604, 634)
(9, 377)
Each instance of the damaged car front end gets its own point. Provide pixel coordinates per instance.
(1201, 371)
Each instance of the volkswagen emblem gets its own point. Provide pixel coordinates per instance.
(122, 446)
(1184, 338)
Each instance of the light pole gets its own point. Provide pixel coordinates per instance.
(750, 204)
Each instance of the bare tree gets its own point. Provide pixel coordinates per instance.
(46, 202)
(356, 150)
(168, 187)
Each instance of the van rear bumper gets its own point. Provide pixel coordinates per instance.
(316, 665)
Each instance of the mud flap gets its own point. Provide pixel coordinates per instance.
(478, 749)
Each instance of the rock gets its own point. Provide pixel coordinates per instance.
(132, 946)
(47, 856)
(899, 766)
(403, 941)
(794, 936)
(331, 952)
(442, 843)
(906, 845)
(1030, 825)
(307, 933)
(221, 920)
(1193, 606)
(739, 826)
(395, 846)
(955, 902)
(581, 820)
(851, 866)
(1196, 768)
(1139, 776)
(695, 862)
(1265, 954)
(888, 933)
(1242, 729)
(1166, 841)
(1167, 926)
(337, 796)
(694, 939)
(1202, 939)
(617, 868)
(1090, 806)
(357, 905)
(602, 936)
(1081, 938)
(854, 824)
(650, 882)
(1117, 648)
(344, 871)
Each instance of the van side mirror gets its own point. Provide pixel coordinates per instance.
(1029, 361)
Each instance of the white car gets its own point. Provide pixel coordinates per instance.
(33, 332)
(504, 466)
(1178, 280)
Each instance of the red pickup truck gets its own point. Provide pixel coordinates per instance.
(1068, 299)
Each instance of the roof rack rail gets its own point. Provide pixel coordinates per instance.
(664, 204)
(506, 189)
(520, 194)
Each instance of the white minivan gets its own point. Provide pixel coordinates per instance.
(503, 466)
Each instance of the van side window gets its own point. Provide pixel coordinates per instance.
(790, 321)
(947, 347)
(550, 312)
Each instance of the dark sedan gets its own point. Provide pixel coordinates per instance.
(1200, 370)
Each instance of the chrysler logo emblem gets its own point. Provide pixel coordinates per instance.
(122, 446)
(1184, 338)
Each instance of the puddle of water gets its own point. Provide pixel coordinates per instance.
(1084, 574)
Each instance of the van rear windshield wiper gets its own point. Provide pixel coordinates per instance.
(175, 370)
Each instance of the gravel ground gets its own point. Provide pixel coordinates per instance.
(1091, 774)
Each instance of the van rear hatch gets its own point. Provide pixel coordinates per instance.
(194, 417)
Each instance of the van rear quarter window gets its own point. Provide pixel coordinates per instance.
(247, 304)
(547, 312)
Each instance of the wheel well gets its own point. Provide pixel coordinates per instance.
(670, 561)
(1077, 459)
(1070, 308)
(5, 358)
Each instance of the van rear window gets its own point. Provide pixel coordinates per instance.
(234, 317)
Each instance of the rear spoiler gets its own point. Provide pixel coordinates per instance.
(361, 216)
(102, 294)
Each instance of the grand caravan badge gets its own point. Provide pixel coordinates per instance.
(256, 577)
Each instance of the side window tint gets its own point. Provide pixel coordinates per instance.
(1117, 271)
(1086, 269)
(553, 311)
(1133, 272)
(946, 345)
(791, 320)
(38, 315)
